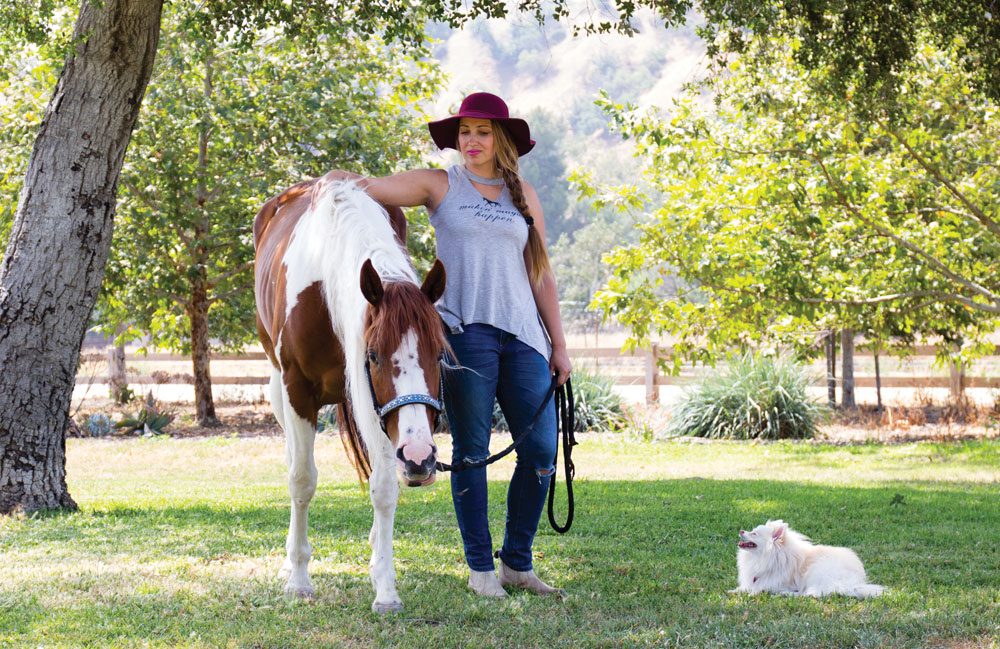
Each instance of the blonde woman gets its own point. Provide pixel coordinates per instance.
(501, 309)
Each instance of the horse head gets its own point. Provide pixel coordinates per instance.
(406, 343)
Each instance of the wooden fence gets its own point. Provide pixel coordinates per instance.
(627, 369)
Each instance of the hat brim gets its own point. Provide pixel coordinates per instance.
(444, 132)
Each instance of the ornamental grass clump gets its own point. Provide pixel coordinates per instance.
(598, 408)
(757, 397)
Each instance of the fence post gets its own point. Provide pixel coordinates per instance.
(652, 388)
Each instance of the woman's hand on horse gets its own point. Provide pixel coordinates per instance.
(340, 174)
(559, 364)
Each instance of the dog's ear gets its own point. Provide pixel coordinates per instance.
(779, 531)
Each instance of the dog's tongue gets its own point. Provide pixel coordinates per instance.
(747, 545)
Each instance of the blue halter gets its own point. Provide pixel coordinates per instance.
(384, 411)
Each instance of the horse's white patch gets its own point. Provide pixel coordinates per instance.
(410, 380)
(341, 229)
(301, 267)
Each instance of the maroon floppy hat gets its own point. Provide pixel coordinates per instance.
(482, 105)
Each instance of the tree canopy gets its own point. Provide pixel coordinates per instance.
(791, 214)
(220, 132)
(867, 42)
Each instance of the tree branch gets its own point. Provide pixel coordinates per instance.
(180, 300)
(989, 223)
(212, 283)
(201, 201)
(933, 261)
(240, 230)
(942, 295)
(219, 246)
(934, 210)
(145, 200)
(163, 256)
(230, 293)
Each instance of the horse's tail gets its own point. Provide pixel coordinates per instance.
(357, 452)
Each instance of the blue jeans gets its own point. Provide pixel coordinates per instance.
(496, 364)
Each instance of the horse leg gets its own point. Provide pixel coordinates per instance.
(276, 394)
(299, 439)
(384, 488)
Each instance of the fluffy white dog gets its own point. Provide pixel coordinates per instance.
(777, 559)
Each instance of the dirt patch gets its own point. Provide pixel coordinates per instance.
(240, 419)
(237, 418)
(927, 420)
(894, 426)
(950, 432)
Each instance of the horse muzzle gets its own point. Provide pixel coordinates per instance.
(417, 463)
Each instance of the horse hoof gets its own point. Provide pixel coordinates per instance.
(388, 607)
(300, 592)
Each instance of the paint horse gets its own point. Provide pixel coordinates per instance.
(343, 321)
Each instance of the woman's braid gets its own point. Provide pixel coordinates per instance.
(506, 162)
(513, 182)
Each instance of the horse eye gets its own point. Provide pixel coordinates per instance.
(373, 356)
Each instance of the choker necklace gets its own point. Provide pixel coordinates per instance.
(496, 182)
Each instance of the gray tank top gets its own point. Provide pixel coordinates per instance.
(481, 243)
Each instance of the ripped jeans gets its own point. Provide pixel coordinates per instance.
(499, 365)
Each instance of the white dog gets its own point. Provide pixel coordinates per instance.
(777, 559)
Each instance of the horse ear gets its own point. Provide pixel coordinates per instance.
(433, 286)
(371, 283)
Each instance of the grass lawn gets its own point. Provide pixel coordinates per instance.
(178, 541)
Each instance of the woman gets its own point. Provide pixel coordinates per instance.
(501, 309)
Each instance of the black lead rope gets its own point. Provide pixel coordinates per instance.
(564, 420)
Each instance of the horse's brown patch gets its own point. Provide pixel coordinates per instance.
(311, 355)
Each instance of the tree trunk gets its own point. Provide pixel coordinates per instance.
(847, 369)
(117, 378)
(59, 242)
(201, 357)
(831, 368)
(956, 377)
(198, 311)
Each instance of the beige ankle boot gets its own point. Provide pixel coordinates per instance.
(485, 583)
(527, 579)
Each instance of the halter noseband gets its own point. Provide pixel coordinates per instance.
(384, 411)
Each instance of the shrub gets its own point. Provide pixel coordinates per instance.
(326, 419)
(98, 424)
(758, 397)
(598, 407)
(151, 418)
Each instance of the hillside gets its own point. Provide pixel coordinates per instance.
(544, 67)
(551, 78)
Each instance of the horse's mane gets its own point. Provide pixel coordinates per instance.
(360, 230)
